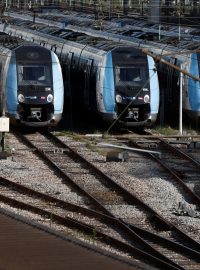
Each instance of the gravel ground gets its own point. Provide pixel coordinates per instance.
(139, 175)
(146, 179)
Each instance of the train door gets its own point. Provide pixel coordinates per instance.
(172, 93)
(170, 80)
(65, 63)
(88, 89)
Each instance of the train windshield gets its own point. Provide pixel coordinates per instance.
(128, 75)
(131, 76)
(36, 74)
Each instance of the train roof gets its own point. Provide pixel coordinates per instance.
(109, 39)
(9, 43)
(82, 38)
(89, 42)
(80, 18)
(136, 22)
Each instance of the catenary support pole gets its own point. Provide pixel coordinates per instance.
(181, 105)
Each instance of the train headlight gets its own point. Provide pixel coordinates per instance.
(118, 99)
(146, 98)
(20, 98)
(50, 98)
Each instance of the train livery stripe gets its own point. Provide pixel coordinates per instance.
(108, 85)
(57, 84)
(194, 86)
(11, 87)
(154, 86)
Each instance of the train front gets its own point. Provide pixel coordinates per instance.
(191, 89)
(135, 90)
(39, 95)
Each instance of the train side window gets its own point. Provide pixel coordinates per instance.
(61, 53)
(75, 62)
(99, 74)
(93, 73)
(54, 48)
(82, 64)
(70, 58)
(64, 58)
(42, 43)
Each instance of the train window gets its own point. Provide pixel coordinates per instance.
(39, 74)
(42, 43)
(82, 64)
(64, 58)
(54, 48)
(127, 74)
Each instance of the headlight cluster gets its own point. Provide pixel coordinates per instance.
(119, 98)
(21, 98)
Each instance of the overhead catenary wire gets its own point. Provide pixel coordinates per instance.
(161, 59)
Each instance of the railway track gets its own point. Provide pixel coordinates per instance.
(182, 166)
(75, 217)
(57, 154)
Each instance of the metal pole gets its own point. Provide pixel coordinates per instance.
(179, 22)
(3, 141)
(142, 8)
(109, 9)
(34, 15)
(128, 148)
(179, 28)
(181, 105)
(159, 28)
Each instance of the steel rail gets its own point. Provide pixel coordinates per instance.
(125, 229)
(170, 171)
(91, 213)
(180, 153)
(165, 241)
(99, 236)
(130, 197)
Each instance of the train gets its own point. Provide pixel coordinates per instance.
(178, 46)
(135, 26)
(32, 90)
(116, 81)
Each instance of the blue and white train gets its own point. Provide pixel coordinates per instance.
(31, 83)
(116, 81)
(168, 77)
(189, 62)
